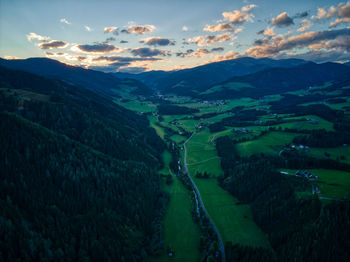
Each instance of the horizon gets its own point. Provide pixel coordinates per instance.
(149, 37)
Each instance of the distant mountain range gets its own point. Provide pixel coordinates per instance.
(99, 82)
(187, 80)
(275, 81)
(268, 75)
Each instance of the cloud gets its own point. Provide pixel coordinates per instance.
(88, 28)
(304, 25)
(219, 38)
(301, 15)
(10, 57)
(228, 56)
(282, 20)
(96, 48)
(238, 17)
(110, 39)
(148, 52)
(185, 54)
(123, 59)
(110, 29)
(64, 21)
(199, 40)
(199, 53)
(139, 29)
(191, 53)
(217, 49)
(330, 39)
(123, 42)
(219, 27)
(185, 28)
(341, 12)
(210, 39)
(158, 41)
(53, 44)
(66, 56)
(318, 56)
(32, 36)
(122, 63)
(267, 32)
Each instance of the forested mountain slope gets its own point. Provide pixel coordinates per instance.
(78, 175)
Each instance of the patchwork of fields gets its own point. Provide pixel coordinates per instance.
(269, 134)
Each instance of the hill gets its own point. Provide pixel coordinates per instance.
(275, 81)
(187, 81)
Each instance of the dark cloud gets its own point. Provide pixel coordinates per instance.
(123, 42)
(110, 39)
(184, 54)
(260, 32)
(158, 41)
(301, 15)
(282, 20)
(217, 49)
(261, 41)
(53, 44)
(98, 48)
(148, 52)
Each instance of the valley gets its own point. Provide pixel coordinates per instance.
(239, 151)
(265, 131)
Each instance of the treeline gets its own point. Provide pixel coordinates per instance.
(293, 224)
(166, 109)
(78, 178)
(322, 138)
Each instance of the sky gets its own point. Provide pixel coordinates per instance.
(141, 35)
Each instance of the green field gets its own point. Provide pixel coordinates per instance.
(180, 231)
(336, 153)
(178, 139)
(333, 183)
(271, 143)
(233, 221)
(154, 123)
(228, 86)
(166, 160)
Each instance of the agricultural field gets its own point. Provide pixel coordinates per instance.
(271, 143)
(136, 105)
(181, 233)
(233, 221)
(332, 184)
(341, 153)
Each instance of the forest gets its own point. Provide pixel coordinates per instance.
(298, 228)
(79, 175)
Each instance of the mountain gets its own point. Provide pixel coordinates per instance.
(275, 81)
(186, 81)
(99, 82)
(78, 175)
(148, 78)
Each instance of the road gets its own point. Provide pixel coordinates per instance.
(221, 243)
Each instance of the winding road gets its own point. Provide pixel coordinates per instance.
(221, 243)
